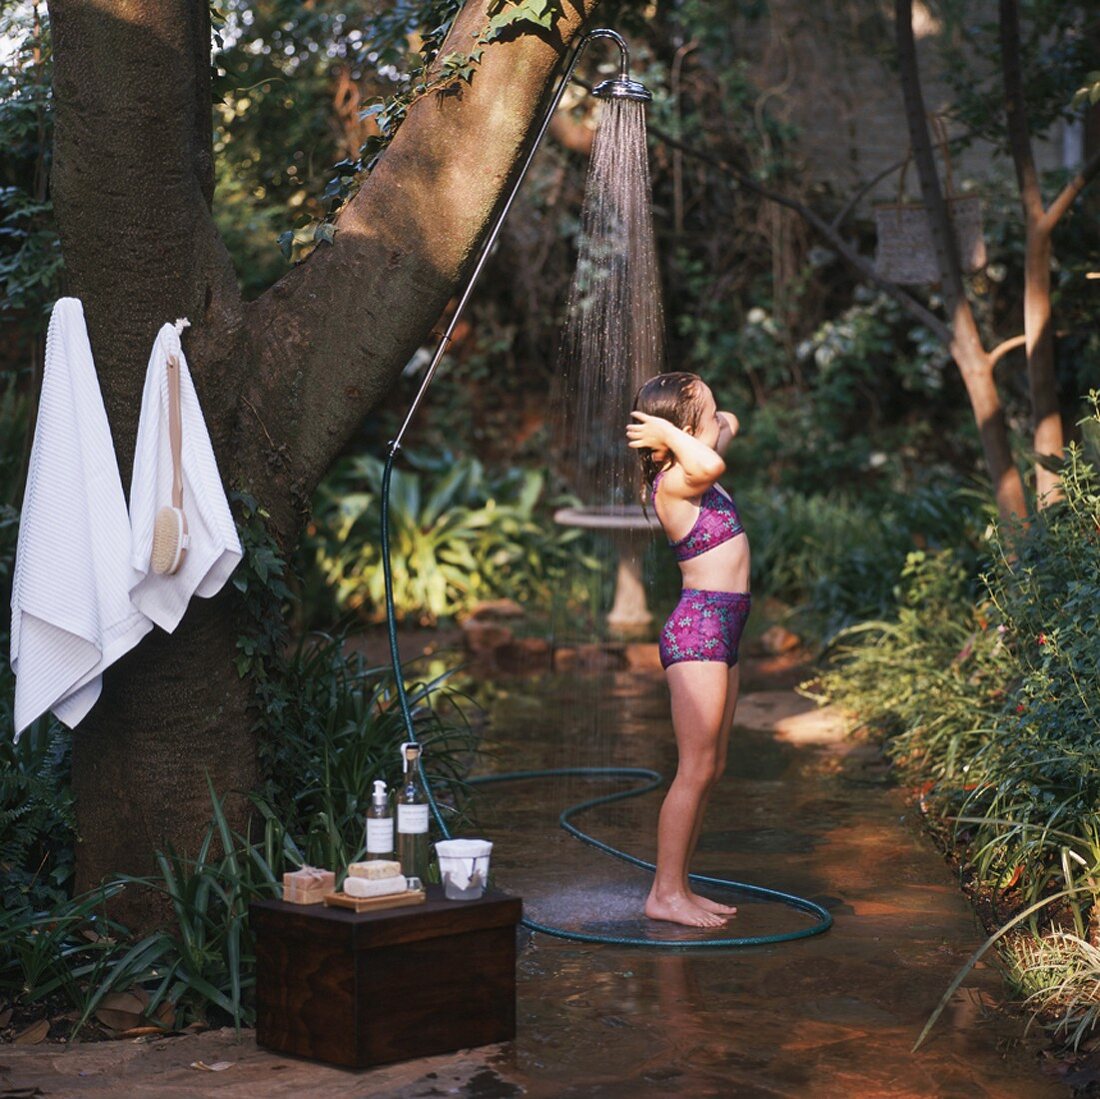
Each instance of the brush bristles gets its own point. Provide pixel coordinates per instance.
(168, 541)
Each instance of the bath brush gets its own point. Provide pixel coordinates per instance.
(170, 538)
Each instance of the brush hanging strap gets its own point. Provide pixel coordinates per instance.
(175, 430)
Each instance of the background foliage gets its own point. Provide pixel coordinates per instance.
(858, 472)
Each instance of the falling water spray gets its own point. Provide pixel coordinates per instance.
(613, 338)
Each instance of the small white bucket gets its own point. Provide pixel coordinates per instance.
(464, 868)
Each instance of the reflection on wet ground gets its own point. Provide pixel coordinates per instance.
(831, 1016)
(835, 1015)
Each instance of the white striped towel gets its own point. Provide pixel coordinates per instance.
(71, 609)
(214, 549)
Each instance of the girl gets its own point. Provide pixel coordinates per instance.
(680, 436)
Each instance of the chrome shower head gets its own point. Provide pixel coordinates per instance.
(621, 87)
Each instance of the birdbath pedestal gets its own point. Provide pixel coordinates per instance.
(628, 528)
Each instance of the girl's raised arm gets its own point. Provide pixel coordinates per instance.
(697, 465)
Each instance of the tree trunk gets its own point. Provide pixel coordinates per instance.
(1038, 331)
(1046, 414)
(284, 382)
(970, 356)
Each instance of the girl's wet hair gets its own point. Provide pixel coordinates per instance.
(677, 397)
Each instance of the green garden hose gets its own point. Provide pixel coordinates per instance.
(652, 780)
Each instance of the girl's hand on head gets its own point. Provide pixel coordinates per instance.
(729, 426)
(650, 432)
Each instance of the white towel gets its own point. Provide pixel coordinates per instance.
(215, 549)
(71, 610)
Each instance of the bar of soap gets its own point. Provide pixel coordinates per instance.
(374, 887)
(307, 885)
(373, 869)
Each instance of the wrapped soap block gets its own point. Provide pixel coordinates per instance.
(308, 885)
(374, 869)
(374, 887)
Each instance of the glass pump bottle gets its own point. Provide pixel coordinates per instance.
(379, 824)
(412, 817)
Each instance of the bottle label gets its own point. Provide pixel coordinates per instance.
(380, 836)
(412, 819)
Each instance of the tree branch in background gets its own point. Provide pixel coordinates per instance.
(827, 231)
(1004, 347)
(1046, 417)
(966, 345)
(1068, 195)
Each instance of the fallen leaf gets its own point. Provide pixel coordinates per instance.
(123, 1010)
(140, 1031)
(134, 1001)
(216, 1066)
(33, 1034)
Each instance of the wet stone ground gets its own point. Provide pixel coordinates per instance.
(801, 810)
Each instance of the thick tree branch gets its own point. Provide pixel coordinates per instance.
(1046, 416)
(331, 336)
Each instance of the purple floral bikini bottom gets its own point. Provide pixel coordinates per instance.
(706, 625)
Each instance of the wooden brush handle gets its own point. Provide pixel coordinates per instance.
(175, 429)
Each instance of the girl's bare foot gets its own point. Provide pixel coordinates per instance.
(707, 905)
(679, 909)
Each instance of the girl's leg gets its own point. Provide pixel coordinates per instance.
(698, 693)
(732, 690)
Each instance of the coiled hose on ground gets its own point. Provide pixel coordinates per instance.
(651, 780)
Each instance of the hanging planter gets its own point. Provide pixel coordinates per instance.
(905, 252)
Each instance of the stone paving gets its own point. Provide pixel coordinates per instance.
(801, 809)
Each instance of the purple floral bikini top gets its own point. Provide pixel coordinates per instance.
(716, 523)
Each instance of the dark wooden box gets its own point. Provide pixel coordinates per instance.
(363, 989)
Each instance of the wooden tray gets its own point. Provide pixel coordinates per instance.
(372, 904)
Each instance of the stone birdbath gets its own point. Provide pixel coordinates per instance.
(628, 528)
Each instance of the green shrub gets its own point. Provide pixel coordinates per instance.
(931, 678)
(332, 727)
(457, 538)
(835, 556)
(992, 705)
(36, 812)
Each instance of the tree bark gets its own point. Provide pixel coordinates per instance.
(970, 356)
(1038, 324)
(331, 337)
(283, 382)
(132, 181)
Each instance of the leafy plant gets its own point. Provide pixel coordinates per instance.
(334, 726)
(59, 950)
(36, 812)
(30, 252)
(835, 556)
(456, 538)
(991, 703)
